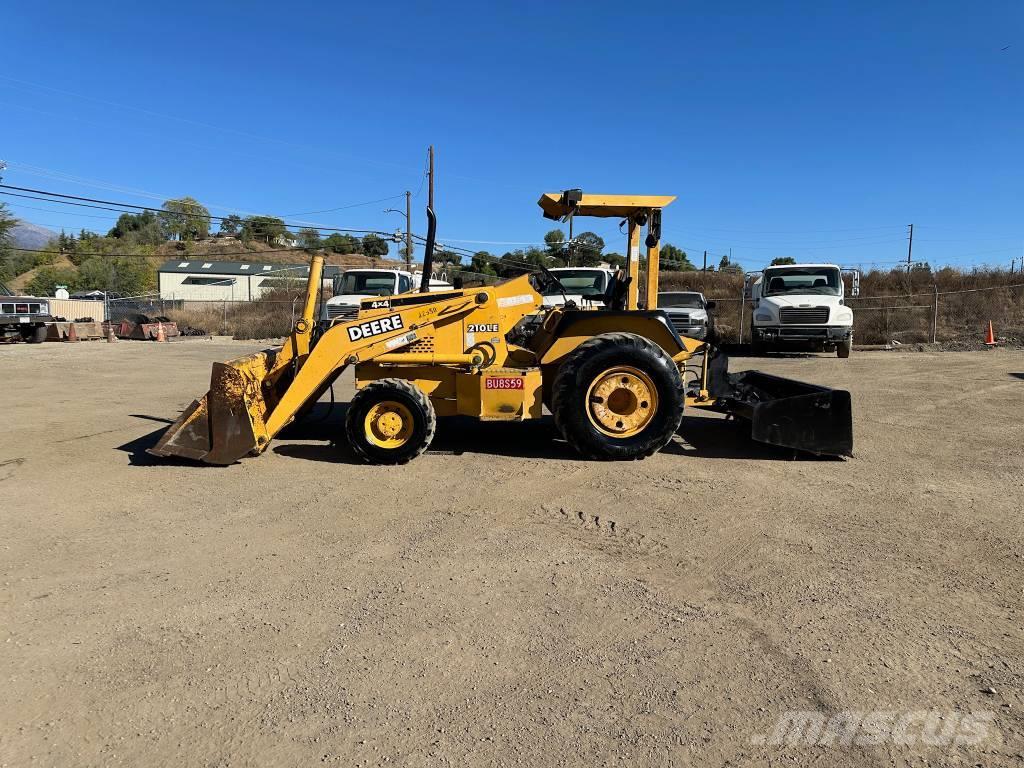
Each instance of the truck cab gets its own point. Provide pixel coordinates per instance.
(802, 306)
(585, 286)
(689, 312)
(23, 317)
(354, 285)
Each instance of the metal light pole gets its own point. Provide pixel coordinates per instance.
(408, 235)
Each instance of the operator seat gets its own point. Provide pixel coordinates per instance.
(615, 293)
(777, 284)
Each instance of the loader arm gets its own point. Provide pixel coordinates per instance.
(253, 398)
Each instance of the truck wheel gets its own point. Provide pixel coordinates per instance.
(844, 348)
(756, 345)
(618, 396)
(390, 421)
(37, 335)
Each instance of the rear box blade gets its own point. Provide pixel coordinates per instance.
(794, 414)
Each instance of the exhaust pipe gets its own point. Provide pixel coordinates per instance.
(428, 256)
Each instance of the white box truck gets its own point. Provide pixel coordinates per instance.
(353, 285)
(800, 306)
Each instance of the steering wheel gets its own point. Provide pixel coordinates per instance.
(552, 280)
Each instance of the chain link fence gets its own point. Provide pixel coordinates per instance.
(956, 319)
(262, 319)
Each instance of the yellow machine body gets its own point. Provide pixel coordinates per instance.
(453, 348)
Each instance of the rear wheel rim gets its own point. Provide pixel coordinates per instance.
(621, 401)
(388, 424)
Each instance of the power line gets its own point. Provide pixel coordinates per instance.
(345, 207)
(91, 202)
(165, 256)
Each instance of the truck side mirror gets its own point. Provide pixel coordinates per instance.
(711, 304)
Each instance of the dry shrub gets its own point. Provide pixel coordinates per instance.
(266, 318)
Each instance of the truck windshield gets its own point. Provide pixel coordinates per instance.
(365, 284)
(685, 300)
(579, 282)
(822, 281)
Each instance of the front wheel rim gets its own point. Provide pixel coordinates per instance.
(622, 401)
(388, 424)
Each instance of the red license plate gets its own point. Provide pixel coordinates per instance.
(503, 382)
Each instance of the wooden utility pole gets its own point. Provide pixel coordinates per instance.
(910, 247)
(408, 231)
(430, 177)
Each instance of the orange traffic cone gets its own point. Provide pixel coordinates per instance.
(160, 335)
(72, 333)
(990, 336)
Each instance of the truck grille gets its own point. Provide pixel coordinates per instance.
(21, 309)
(804, 315)
(342, 311)
(679, 322)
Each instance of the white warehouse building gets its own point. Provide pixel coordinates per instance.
(199, 280)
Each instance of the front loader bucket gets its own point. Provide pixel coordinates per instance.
(229, 421)
(793, 414)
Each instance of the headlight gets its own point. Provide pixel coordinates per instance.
(763, 317)
(844, 315)
(44, 308)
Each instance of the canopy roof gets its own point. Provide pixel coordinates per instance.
(608, 206)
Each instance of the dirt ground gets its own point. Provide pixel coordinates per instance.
(498, 601)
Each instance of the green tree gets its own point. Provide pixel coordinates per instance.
(511, 263)
(374, 246)
(7, 223)
(727, 266)
(555, 241)
(138, 229)
(483, 263)
(185, 218)
(673, 259)
(783, 260)
(230, 225)
(266, 229)
(124, 274)
(343, 244)
(309, 238)
(586, 250)
(615, 260)
(46, 279)
(538, 257)
(451, 258)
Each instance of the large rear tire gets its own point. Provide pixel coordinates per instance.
(618, 396)
(390, 421)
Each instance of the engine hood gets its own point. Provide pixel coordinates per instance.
(795, 300)
(557, 301)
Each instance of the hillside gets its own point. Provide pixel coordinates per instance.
(232, 249)
(27, 235)
(18, 284)
(129, 267)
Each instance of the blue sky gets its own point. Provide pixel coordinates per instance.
(815, 130)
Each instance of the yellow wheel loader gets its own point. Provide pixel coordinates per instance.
(616, 379)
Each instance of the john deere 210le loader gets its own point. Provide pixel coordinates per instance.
(612, 377)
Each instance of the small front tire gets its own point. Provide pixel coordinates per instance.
(390, 421)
